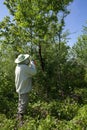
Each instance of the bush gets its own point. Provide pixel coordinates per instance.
(50, 122)
(82, 94)
(79, 122)
(63, 110)
(6, 124)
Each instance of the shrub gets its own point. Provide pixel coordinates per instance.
(79, 122)
(64, 110)
(6, 124)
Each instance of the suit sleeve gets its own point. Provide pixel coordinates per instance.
(31, 69)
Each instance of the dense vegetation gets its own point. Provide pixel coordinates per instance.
(58, 100)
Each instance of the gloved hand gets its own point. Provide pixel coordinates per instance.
(33, 62)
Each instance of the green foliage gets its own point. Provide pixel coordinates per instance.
(55, 114)
(7, 89)
(34, 30)
(6, 124)
(79, 121)
(79, 50)
(81, 95)
(59, 96)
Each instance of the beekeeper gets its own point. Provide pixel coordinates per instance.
(24, 72)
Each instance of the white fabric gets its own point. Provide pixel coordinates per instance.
(23, 77)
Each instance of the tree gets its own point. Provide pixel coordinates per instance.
(40, 20)
(80, 48)
(79, 52)
(38, 25)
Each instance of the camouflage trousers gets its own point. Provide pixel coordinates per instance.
(23, 103)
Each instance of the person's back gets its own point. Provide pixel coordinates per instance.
(23, 77)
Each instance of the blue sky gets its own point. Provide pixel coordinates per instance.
(74, 21)
(3, 10)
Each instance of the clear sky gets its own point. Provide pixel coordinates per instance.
(3, 10)
(74, 21)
